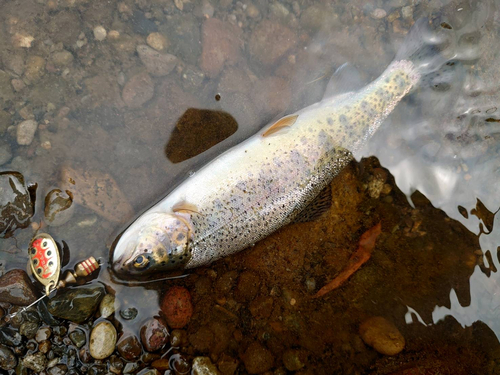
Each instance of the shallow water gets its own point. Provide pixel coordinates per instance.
(102, 110)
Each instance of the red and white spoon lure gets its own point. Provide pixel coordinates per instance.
(45, 262)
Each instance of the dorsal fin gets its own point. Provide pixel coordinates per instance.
(317, 207)
(280, 124)
(184, 206)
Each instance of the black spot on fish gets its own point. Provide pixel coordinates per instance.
(330, 121)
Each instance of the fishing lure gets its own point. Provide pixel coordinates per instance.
(45, 264)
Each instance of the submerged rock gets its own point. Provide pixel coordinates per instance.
(382, 335)
(154, 334)
(16, 288)
(129, 347)
(107, 306)
(257, 359)
(58, 207)
(204, 366)
(36, 362)
(138, 90)
(7, 358)
(177, 307)
(16, 207)
(102, 340)
(270, 41)
(156, 63)
(77, 304)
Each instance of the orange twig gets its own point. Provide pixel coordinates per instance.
(357, 259)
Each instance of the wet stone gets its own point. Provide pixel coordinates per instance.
(157, 41)
(156, 63)
(36, 362)
(60, 330)
(15, 285)
(142, 25)
(184, 35)
(221, 44)
(178, 338)
(116, 365)
(129, 313)
(99, 33)
(45, 346)
(107, 306)
(78, 338)
(177, 307)
(130, 367)
(28, 329)
(382, 335)
(102, 340)
(270, 41)
(204, 366)
(9, 336)
(138, 90)
(35, 68)
(6, 92)
(129, 347)
(257, 359)
(5, 152)
(62, 58)
(154, 334)
(43, 334)
(271, 95)
(25, 132)
(317, 16)
(7, 358)
(248, 286)
(59, 207)
(202, 340)
(77, 304)
(59, 369)
(294, 359)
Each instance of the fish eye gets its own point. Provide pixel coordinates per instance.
(141, 261)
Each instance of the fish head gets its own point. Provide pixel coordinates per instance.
(156, 242)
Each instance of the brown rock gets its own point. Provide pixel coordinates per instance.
(97, 191)
(257, 359)
(156, 63)
(16, 288)
(270, 41)
(35, 68)
(129, 347)
(248, 286)
(222, 44)
(138, 90)
(154, 334)
(104, 91)
(177, 307)
(261, 307)
(202, 340)
(382, 335)
(234, 80)
(271, 95)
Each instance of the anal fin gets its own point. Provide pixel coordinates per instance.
(317, 207)
(282, 123)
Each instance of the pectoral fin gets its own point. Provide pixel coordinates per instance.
(317, 207)
(282, 123)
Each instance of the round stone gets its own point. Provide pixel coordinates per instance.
(102, 340)
(99, 33)
(382, 335)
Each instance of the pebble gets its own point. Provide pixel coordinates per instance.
(248, 286)
(294, 359)
(252, 11)
(28, 329)
(16, 287)
(157, 41)
(222, 44)
(156, 63)
(34, 68)
(204, 366)
(77, 304)
(99, 33)
(177, 307)
(378, 13)
(154, 334)
(62, 58)
(9, 336)
(25, 132)
(22, 40)
(45, 346)
(257, 359)
(178, 338)
(36, 362)
(317, 16)
(270, 41)
(43, 334)
(102, 340)
(59, 369)
(59, 207)
(407, 12)
(271, 95)
(129, 347)
(7, 358)
(138, 90)
(78, 338)
(382, 335)
(5, 152)
(13, 62)
(17, 84)
(107, 306)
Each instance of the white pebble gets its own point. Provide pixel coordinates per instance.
(379, 13)
(99, 33)
(26, 132)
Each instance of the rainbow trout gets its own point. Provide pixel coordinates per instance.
(263, 183)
